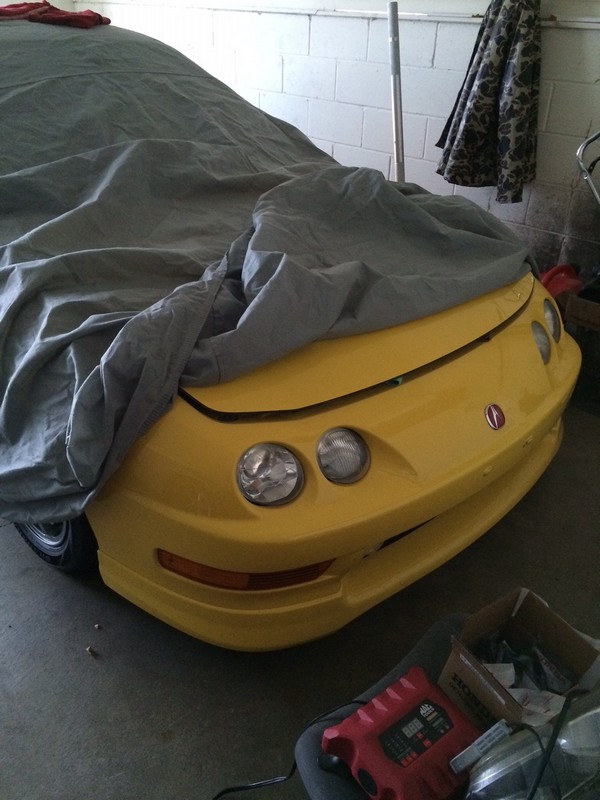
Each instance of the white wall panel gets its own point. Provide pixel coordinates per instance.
(339, 38)
(327, 73)
(309, 76)
(340, 123)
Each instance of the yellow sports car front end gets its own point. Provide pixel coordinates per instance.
(264, 391)
(274, 509)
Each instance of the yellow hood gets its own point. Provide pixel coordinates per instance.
(329, 369)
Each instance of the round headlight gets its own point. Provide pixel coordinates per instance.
(269, 474)
(552, 320)
(343, 456)
(542, 341)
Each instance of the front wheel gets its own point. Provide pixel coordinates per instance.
(69, 545)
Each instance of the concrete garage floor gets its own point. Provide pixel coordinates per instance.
(160, 716)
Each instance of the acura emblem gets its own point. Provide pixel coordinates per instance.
(494, 416)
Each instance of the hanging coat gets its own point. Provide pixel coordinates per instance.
(490, 137)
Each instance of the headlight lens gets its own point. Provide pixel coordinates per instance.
(343, 456)
(542, 341)
(269, 475)
(552, 320)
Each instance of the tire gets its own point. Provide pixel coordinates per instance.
(70, 546)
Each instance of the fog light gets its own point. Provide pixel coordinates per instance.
(511, 767)
(343, 456)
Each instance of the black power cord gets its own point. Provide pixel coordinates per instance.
(283, 778)
(258, 785)
(550, 765)
(548, 749)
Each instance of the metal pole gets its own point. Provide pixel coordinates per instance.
(396, 91)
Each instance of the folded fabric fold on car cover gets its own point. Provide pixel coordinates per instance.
(178, 234)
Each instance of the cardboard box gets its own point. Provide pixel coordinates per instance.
(579, 311)
(522, 619)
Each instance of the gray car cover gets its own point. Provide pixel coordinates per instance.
(157, 229)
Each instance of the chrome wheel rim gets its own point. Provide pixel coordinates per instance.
(50, 534)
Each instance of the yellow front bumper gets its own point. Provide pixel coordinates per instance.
(282, 618)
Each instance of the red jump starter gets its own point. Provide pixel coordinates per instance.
(399, 745)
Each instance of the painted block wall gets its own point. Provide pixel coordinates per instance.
(328, 74)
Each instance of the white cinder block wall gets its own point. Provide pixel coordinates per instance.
(327, 73)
